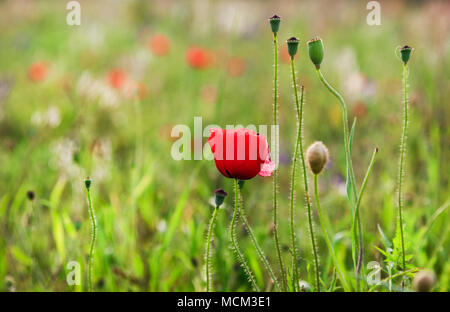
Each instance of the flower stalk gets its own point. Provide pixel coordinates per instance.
(87, 183)
(275, 25)
(234, 242)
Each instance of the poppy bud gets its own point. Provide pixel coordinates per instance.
(275, 23)
(315, 50)
(424, 281)
(292, 44)
(406, 53)
(87, 182)
(219, 197)
(317, 157)
(30, 195)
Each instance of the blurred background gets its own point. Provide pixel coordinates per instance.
(100, 100)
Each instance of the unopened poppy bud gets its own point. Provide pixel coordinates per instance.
(219, 197)
(275, 23)
(292, 44)
(317, 157)
(315, 50)
(87, 182)
(406, 53)
(30, 195)
(424, 281)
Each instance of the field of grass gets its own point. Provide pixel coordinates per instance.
(69, 110)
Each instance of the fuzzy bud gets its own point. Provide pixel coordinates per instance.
(317, 157)
(292, 44)
(315, 50)
(219, 196)
(275, 23)
(424, 281)
(406, 53)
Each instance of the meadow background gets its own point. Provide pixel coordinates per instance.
(68, 111)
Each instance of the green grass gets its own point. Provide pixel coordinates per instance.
(152, 212)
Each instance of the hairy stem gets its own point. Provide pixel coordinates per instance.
(208, 248)
(234, 242)
(255, 243)
(402, 161)
(94, 237)
(275, 173)
(299, 109)
(327, 239)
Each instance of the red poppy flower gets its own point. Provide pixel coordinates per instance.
(160, 45)
(199, 58)
(37, 71)
(240, 153)
(117, 78)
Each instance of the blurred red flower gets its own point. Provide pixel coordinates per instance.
(38, 71)
(284, 55)
(236, 66)
(160, 44)
(240, 153)
(199, 58)
(117, 78)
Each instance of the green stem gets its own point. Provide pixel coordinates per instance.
(307, 198)
(94, 237)
(327, 239)
(358, 204)
(402, 160)
(234, 242)
(255, 243)
(299, 108)
(349, 166)
(275, 173)
(208, 248)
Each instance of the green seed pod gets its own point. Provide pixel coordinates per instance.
(424, 281)
(30, 195)
(275, 23)
(315, 50)
(406, 53)
(87, 182)
(292, 44)
(317, 157)
(219, 196)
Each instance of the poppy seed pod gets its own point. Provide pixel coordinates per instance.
(275, 23)
(219, 197)
(317, 157)
(315, 50)
(424, 281)
(292, 44)
(406, 53)
(30, 195)
(87, 182)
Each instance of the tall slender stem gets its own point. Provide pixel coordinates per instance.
(349, 167)
(402, 160)
(234, 242)
(307, 198)
(361, 193)
(299, 108)
(275, 173)
(94, 237)
(327, 239)
(255, 243)
(208, 248)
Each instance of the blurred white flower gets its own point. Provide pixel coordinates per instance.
(50, 118)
